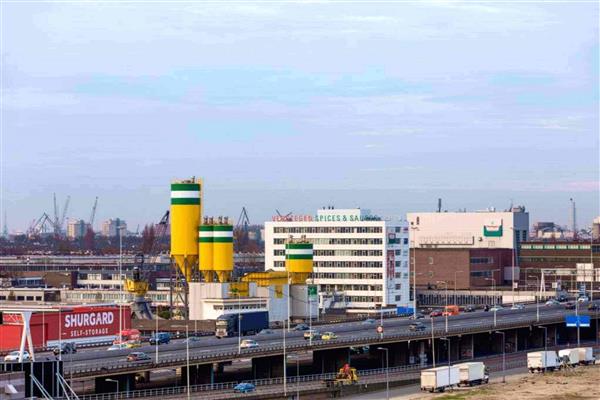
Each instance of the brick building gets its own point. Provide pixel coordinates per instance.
(466, 250)
(568, 264)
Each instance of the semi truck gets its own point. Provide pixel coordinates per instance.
(586, 355)
(542, 361)
(472, 373)
(439, 379)
(249, 323)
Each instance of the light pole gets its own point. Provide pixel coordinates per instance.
(284, 363)
(387, 372)
(545, 346)
(187, 357)
(446, 301)
(455, 272)
(503, 355)
(120, 280)
(432, 343)
(512, 277)
(414, 261)
(447, 340)
(297, 358)
(577, 317)
(156, 336)
(114, 381)
(493, 283)
(537, 297)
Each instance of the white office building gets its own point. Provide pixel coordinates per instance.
(360, 261)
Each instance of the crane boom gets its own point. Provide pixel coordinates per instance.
(64, 213)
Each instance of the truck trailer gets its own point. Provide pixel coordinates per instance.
(542, 361)
(586, 355)
(439, 379)
(570, 356)
(472, 373)
(249, 323)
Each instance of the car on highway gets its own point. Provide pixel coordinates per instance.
(368, 321)
(583, 299)
(266, 332)
(486, 308)
(417, 316)
(65, 348)
(312, 334)
(132, 344)
(14, 356)
(517, 306)
(552, 302)
(138, 356)
(118, 346)
(193, 339)
(328, 336)
(469, 309)
(416, 326)
(593, 306)
(496, 308)
(436, 313)
(301, 327)
(571, 305)
(244, 387)
(160, 338)
(248, 344)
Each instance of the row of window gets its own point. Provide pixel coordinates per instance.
(22, 298)
(337, 264)
(346, 275)
(235, 307)
(561, 246)
(363, 299)
(482, 260)
(556, 259)
(333, 241)
(481, 274)
(327, 229)
(398, 241)
(335, 288)
(338, 253)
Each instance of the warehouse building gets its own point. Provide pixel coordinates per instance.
(467, 250)
(360, 260)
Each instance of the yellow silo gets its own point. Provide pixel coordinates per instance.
(298, 260)
(186, 200)
(205, 247)
(223, 249)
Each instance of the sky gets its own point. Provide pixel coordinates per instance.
(292, 106)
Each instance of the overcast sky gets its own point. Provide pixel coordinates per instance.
(292, 106)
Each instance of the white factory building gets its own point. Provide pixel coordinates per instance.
(360, 261)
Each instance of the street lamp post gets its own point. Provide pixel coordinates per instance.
(447, 340)
(545, 346)
(114, 381)
(414, 261)
(503, 355)
(387, 372)
(120, 280)
(284, 363)
(577, 317)
(187, 357)
(156, 336)
(455, 272)
(432, 343)
(537, 297)
(446, 301)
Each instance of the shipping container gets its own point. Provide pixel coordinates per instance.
(571, 356)
(542, 361)
(586, 355)
(472, 373)
(440, 378)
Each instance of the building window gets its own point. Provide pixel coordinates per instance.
(430, 260)
(481, 274)
(482, 260)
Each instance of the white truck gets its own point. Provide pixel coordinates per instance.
(542, 361)
(440, 378)
(570, 355)
(586, 355)
(472, 373)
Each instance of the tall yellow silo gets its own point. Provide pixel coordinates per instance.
(298, 260)
(186, 203)
(205, 247)
(223, 249)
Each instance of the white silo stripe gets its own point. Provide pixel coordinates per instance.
(185, 194)
(222, 233)
(298, 251)
(205, 234)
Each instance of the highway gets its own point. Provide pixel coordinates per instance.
(210, 349)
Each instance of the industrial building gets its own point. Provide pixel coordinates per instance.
(466, 250)
(554, 264)
(360, 261)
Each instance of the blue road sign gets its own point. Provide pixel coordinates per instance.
(573, 321)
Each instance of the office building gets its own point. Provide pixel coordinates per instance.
(466, 249)
(110, 228)
(76, 229)
(360, 260)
